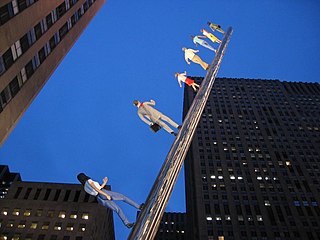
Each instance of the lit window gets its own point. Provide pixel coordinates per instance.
(45, 226)
(240, 178)
(39, 213)
(220, 177)
(34, 225)
(288, 163)
(4, 211)
(218, 218)
(82, 227)
(16, 212)
(209, 218)
(27, 212)
(73, 215)
(228, 218)
(85, 216)
(232, 177)
(16, 236)
(267, 203)
(50, 213)
(10, 224)
(259, 218)
(4, 237)
(213, 177)
(182, 231)
(70, 227)
(62, 214)
(259, 178)
(57, 226)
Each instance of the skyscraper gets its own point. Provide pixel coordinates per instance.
(43, 211)
(34, 38)
(253, 168)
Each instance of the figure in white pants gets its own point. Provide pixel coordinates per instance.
(151, 116)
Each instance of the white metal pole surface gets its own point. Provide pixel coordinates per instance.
(148, 221)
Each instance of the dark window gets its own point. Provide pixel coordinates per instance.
(61, 10)
(49, 20)
(47, 194)
(76, 197)
(26, 195)
(63, 30)
(66, 196)
(24, 43)
(7, 58)
(14, 87)
(41, 237)
(52, 43)
(36, 196)
(22, 4)
(66, 237)
(29, 69)
(38, 31)
(6, 12)
(42, 55)
(16, 195)
(56, 196)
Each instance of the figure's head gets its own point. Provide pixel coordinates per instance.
(176, 74)
(183, 49)
(202, 30)
(82, 178)
(208, 23)
(136, 102)
(192, 37)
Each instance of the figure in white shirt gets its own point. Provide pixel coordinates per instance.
(183, 78)
(190, 54)
(209, 35)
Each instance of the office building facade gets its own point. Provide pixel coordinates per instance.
(172, 226)
(34, 38)
(50, 211)
(253, 168)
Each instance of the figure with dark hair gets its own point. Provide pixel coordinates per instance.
(106, 197)
(215, 27)
(183, 78)
(152, 116)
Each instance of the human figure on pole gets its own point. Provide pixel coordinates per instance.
(183, 78)
(153, 117)
(106, 197)
(209, 35)
(190, 54)
(198, 40)
(215, 27)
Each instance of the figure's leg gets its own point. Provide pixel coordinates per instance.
(207, 45)
(169, 120)
(114, 207)
(121, 197)
(198, 60)
(165, 126)
(194, 88)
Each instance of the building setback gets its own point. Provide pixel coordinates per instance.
(172, 226)
(6, 179)
(52, 211)
(34, 38)
(252, 171)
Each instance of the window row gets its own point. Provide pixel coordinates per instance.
(34, 34)
(13, 8)
(41, 213)
(26, 72)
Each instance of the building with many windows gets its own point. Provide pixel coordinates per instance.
(172, 226)
(49, 211)
(34, 38)
(6, 179)
(253, 168)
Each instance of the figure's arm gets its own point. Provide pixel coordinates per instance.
(144, 119)
(179, 81)
(99, 190)
(185, 73)
(187, 60)
(105, 180)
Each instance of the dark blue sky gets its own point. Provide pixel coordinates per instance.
(84, 120)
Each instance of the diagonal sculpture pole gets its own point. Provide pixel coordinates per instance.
(148, 221)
